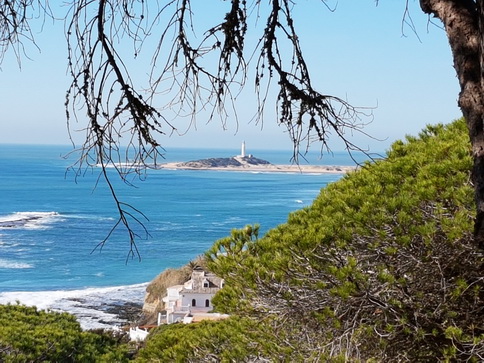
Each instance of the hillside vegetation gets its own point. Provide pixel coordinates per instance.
(381, 267)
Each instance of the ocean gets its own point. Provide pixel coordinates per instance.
(51, 223)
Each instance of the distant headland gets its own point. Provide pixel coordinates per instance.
(247, 162)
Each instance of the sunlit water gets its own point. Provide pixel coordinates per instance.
(50, 224)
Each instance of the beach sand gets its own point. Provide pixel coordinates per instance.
(270, 168)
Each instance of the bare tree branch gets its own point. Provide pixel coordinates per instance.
(307, 114)
(194, 68)
(15, 29)
(104, 91)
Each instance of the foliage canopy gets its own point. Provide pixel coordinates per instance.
(31, 335)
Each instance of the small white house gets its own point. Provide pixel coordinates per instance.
(193, 297)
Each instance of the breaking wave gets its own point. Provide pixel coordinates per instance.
(28, 220)
(93, 307)
(7, 264)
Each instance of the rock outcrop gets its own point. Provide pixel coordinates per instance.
(235, 161)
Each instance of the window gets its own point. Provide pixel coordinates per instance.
(207, 303)
(206, 283)
(194, 302)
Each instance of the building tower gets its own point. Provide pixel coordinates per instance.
(242, 149)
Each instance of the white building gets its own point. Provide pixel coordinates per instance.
(193, 298)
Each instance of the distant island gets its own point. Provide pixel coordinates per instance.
(250, 163)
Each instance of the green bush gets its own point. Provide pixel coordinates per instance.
(381, 266)
(231, 340)
(31, 335)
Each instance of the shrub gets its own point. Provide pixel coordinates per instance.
(31, 335)
(381, 266)
(231, 340)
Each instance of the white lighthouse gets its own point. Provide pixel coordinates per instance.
(242, 150)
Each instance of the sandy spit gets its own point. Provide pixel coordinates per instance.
(306, 169)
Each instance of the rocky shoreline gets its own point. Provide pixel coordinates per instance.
(115, 314)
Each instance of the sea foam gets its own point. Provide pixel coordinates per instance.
(92, 306)
(14, 264)
(29, 220)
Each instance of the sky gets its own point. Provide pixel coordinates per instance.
(359, 52)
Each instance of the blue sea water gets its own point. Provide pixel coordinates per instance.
(51, 223)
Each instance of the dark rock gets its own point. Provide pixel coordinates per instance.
(131, 312)
(225, 162)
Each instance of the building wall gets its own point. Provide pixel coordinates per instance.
(200, 300)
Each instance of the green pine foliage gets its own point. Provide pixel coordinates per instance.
(381, 266)
(231, 340)
(31, 335)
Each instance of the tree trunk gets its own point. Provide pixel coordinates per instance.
(464, 24)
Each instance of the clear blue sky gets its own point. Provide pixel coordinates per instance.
(358, 52)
